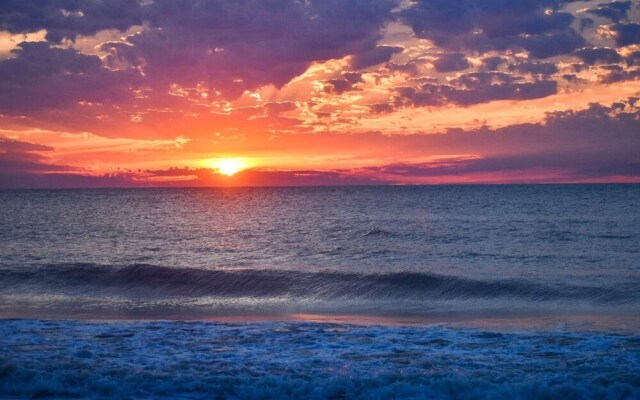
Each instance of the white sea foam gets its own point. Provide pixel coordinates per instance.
(286, 360)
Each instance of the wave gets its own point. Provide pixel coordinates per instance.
(168, 360)
(140, 280)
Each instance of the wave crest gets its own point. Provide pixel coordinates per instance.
(152, 280)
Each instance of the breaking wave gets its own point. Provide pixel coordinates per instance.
(141, 280)
(168, 360)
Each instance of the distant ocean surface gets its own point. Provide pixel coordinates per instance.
(432, 272)
(392, 251)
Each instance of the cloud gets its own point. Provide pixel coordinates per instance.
(273, 178)
(40, 76)
(534, 68)
(475, 80)
(238, 46)
(626, 34)
(598, 55)
(410, 68)
(473, 88)
(17, 146)
(345, 83)
(493, 63)
(19, 157)
(60, 180)
(618, 74)
(615, 10)
(66, 19)
(194, 57)
(267, 76)
(597, 142)
(229, 47)
(546, 45)
(547, 167)
(274, 109)
(495, 25)
(375, 56)
(451, 62)
(338, 86)
(187, 177)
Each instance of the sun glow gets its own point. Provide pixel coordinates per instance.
(229, 166)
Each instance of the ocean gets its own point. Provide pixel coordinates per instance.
(501, 291)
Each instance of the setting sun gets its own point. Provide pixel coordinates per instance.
(229, 166)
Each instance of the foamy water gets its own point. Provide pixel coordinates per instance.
(57, 359)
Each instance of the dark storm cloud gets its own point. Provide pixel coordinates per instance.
(40, 76)
(534, 68)
(338, 86)
(579, 67)
(451, 62)
(345, 83)
(496, 17)
(506, 91)
(586, 23)
(237, 46)
(475, 80)
(491, 164)
(493, 63)
(626, 34)
(570, 78)
(469, 89)
(19, 157)
(629, 169)
(409, 68)
(572, 165)
(598, 55)
(633, 59)
(619, 75)
(596, 128)
(598, 142)
(36, 59)
(545, 45)
(615, 11)
(375, 56)
(495, 24)
(69, 180)
(26, 162)
(10, 145)
(66, 19)
(232, 46)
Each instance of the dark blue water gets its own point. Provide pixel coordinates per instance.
(286, 360)
(423, 251)
(501, 292)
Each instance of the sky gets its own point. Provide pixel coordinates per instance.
(127, 93)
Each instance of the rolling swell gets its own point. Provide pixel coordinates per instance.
(144, 280)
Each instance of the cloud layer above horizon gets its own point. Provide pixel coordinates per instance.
(147, 93)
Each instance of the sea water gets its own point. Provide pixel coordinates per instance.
(515, 291)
